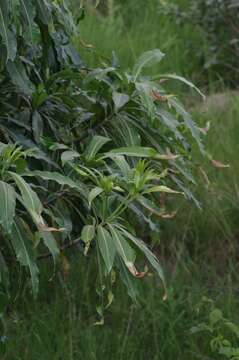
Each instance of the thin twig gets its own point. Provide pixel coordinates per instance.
(62, 248)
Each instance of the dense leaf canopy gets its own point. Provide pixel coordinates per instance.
(85, 154)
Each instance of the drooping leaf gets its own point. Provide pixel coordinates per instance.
(7, 36)
(185, 81)
(28, 14)
(149, 58)
(136, 151)
(88, 233)
(29, 197)
(96, 191)
(120, 99)
(23, 250)
(122, 247)
(8, 205)
(50, 243)
(128, 280)
(161, 188)
(37, 126)
(60, 179)
(107, 247)
(149, 255)
(19, 77)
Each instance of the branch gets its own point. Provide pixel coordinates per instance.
(62, 248)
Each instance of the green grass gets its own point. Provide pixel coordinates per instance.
(129, 36)
(60, 324)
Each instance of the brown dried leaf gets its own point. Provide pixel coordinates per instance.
(219, 164)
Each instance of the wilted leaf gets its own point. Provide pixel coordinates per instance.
(219, 164)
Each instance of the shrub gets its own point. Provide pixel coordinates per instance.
(85, 153)
(217, 20)
(221, 334)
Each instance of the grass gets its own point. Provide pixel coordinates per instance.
(60, 324)
(198, 248)
(129, 37)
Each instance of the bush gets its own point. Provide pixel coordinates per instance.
(217, 20)
(85, 153)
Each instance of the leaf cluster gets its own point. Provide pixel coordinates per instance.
(86, 155)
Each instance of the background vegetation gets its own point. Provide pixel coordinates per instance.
(197, 248)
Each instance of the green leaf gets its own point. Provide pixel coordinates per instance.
(215, 316)
(149, 205)
(19, 77)
(21, 244)
(44, 12)
(94, 146)
(128, 280)
(88, 233)
(69, 155)
(94, 193)
(8, 205)
(4, 274)
(107, 247)
(149, 58)
(6, 35)
(122, 164)
(120, 100)
(30, 199)
(60, 179)
(136, 151)
(50, 243)
(149, 255)
(122, 246)
(161, 188)
(37, 126)
(232, 327)
(28, 14)
(185, 81)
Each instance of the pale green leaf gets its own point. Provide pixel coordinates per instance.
(60, 179)
(122, 246)
(149, 255)
(94, 146)
(120, 100)
(69, 155)
(136, 151)
(185, 81)
(8, 205)
(22, 247)
(106, 246)
(147, 59)
(161, 188)
(94, 193)
(88, 233)
(29, 197)
(50, 243)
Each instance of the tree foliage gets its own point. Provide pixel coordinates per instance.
(85, 154)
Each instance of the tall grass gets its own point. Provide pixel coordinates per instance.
(135, 27)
